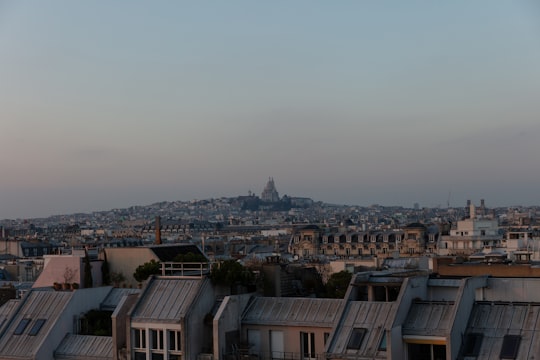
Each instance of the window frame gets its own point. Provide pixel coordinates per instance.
(21, 326)
(510, 347)
(356, 338)
(36, 327)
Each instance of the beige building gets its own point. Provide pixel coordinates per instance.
(413, 240)
(125, 260)
(472, 235)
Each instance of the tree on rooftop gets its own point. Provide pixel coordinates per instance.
(337, 284)
(105, 271)
(147, 269)
(231, 272)
(88, 280)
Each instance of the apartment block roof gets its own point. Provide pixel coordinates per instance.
(497, 320)
(34, 317)
(166, 299)
(429, 318)
(371, 318)
(85, 347)
(6, 311)
(113, 298)
(292, 311)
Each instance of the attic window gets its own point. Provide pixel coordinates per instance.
(37, 326)
(472, 345)
(382, 344)
(22, 325)
(510, 347)
(356, 338)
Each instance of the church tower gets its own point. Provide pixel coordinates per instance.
(270, 193)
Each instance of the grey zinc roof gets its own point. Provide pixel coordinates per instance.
(292, 311)
(6, 312)
(369, 315)
(115, 295)
(495, 320)
(47, 305)
(429, 318)
(166, 299)
(85, 347)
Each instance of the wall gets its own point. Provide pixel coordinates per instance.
(126, 260)
(495, 270)
(414, 287)
(228, 318)
(55, 267)
(197, 334)
(291, 338)
(462, 312)
(121, 332)
(510, 289)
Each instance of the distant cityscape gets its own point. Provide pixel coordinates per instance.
(272, 277)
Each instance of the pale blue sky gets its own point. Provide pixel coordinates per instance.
(108, 104)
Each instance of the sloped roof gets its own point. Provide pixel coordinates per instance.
(166, 299)
(369, 315)
(495, 320)
(292, 311)
(6, 311)
(429, 318)
(46, 305)
(169, 252)
(115, 295)
(85, 347)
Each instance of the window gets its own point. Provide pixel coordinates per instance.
(37, 326)
(307, 341)
(510, 346)
(22, 325)
(471, 346)
(382, 343)
(174, 340)
(139, 337)
(356, 338)
(426, 351)
(326, 336)
(140, 356)
(157, 339)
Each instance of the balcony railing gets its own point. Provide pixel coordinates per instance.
(197, 269)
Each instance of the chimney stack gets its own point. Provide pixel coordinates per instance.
(158, 230)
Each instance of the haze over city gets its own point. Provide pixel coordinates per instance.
(113, 104)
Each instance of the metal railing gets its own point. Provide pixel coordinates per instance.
(185, 268)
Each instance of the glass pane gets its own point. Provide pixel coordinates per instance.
(356, 338)
(510, 346)
(382, 344)
(37, 326)
(22, 325)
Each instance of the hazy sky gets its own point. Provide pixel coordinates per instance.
(109, 104)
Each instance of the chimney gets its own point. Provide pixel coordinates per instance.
(158, 230)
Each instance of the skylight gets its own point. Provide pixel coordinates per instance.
(355, 341)
(22, 325)
(510, 346)
(37, 326)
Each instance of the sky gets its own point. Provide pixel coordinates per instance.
(110, 104)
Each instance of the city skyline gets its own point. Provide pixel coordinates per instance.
(110, 105)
